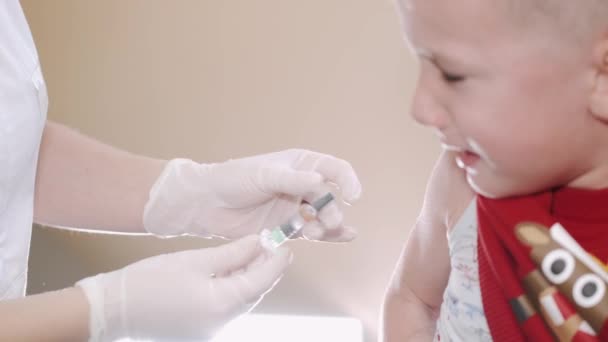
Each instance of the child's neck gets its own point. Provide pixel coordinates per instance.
(595, 179)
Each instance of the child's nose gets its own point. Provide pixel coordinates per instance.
(426, 111)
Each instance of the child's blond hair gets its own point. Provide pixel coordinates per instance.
(582, 20)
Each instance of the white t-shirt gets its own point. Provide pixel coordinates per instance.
(23, 107)
(462, 317)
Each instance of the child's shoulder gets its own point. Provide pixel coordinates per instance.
(448, 193)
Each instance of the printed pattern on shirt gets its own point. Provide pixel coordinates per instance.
(462, 317)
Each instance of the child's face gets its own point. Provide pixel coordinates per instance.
(512, 103)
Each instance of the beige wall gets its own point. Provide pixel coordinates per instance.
(213, 80)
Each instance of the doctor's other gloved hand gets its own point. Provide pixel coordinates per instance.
(244, 196)
(182, 296)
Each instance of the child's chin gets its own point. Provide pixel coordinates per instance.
(490, 188)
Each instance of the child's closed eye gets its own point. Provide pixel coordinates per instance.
(451, 78)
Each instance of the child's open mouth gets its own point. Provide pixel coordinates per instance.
(466, 159)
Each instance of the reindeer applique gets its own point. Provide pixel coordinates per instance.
(568, 287)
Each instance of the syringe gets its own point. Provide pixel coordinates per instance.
(274, 237)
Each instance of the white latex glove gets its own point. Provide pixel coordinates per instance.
(181, 296)
(244, 196)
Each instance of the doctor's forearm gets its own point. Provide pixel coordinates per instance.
(83, 183)
(52, 316)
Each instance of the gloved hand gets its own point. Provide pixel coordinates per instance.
(244, 196)
(182, 296)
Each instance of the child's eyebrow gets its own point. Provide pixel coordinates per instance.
(431, 56)
(436, 58)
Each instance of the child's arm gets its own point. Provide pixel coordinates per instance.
(415, 293)
(52, 316)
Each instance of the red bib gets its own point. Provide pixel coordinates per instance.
(541, 265)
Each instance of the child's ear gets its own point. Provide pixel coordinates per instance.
(598, 102)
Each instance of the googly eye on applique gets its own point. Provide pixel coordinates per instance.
(588, 290)
(558, 266)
